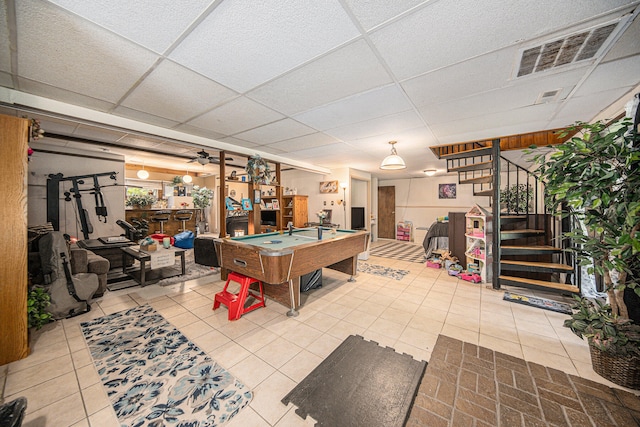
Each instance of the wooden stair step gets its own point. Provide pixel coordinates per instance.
(508, 219)
(529, 250)
(523, 282)
(485, 179)
(472, 167)
(542, 267)
(476, 152)
(484, 193)
(519, 234)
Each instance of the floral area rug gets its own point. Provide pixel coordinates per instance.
(155, 376)
(379, 270)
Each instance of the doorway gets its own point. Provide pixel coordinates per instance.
(387, 212)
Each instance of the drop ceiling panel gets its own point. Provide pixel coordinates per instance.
(104, 65)
(579, 108)
(409, 139)
(427, 40)
(157, 24)
(276, 131)
(205, 133)
(257, 41)
(365, 106)
(627, 45)
(63, 95)
(374, 12)
(236, 116)
(5, 51)
(494, 125)
(239, 142)
(470, 77)
(313, 140)
(144, 117)
(174, 92)
(52, 125)
(378, 126)
(349, 70)
(521, 93)
(6, 80)
(612, 75)
(98, 133)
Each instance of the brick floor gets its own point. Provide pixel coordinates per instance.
(468, 385)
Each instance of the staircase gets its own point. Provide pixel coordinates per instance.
(529, 252)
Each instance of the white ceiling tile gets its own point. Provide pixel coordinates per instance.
(349, 70)
(5, 50)
(6, 80)
(138, 141)
(63, 95)
(612, 75)
(427, 40)
(313, 140)
(364, 106)
(272, 150)
(96, 62)
(239, 142)
(276, 131)
(98, 133)
(144, 117)
(157, 24)
(627, 45)
(205, 133)
(53, 125)
(470, 77)
(257, 41)
(236, 116)
(378, 126)
(581, 108)
(520, 93)
(374, 12)
(175, 92)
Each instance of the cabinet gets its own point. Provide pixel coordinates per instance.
(295, 209)
(479, 237)
(13, 229)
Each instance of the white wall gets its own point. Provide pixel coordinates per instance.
(417, 200)
(52, 159)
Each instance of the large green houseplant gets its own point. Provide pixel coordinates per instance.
(594, 178)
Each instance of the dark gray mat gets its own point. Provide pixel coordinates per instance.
(359, 384)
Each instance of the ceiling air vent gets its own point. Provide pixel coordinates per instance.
(568, 50)
(548, 96)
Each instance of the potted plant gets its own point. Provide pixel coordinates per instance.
(516, 198)
(594, 179)
(202, 197)
(139, 198)
(38, 299)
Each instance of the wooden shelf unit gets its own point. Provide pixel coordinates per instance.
(295, 209)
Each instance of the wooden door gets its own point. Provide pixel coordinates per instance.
(387, 212)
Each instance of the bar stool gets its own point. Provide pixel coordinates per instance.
(161, 217)
(235, 302)
(183, 216)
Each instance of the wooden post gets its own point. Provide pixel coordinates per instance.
(222, 206)
(14, 343)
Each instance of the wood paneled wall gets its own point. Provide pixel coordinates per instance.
(13, 243)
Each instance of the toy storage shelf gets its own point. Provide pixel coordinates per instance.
(479, 237)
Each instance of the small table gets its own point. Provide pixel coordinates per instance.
(146, 276)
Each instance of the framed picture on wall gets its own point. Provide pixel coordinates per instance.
(246, 205)
(328, 187)
(446, 191)
(256, 197)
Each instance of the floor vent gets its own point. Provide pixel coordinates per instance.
(568, 50)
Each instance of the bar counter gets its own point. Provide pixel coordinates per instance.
(171, 227)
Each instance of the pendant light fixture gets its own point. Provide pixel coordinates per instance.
(187, 178)
(393, 161)
(142, 174)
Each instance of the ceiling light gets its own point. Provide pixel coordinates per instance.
(429, 172)
(143, 174)
(187, 178)
(393, 161)
(203, 160)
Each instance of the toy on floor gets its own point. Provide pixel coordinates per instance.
(470, 277)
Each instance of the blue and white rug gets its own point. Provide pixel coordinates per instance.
(154, 376)
(379, 270)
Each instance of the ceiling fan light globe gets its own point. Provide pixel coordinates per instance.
(203, 160)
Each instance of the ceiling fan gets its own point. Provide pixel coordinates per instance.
(204, 158)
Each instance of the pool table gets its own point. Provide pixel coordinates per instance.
(281, 258)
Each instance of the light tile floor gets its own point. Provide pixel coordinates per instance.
(271, 352)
